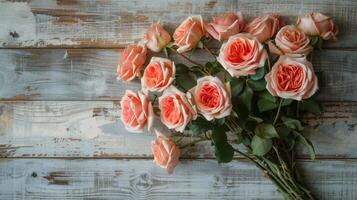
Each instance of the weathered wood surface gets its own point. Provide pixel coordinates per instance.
(89, 74)
(141, 179)
(89, 23)
(93, 129)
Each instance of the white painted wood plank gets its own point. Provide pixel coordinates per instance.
(141, 179)
(93, 129)
(89, 74)
(90, 23)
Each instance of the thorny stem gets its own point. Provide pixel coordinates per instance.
(185, 57)
(278, 112)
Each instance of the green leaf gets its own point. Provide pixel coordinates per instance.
(257, 85)
(199, 126)
(237, 85)
(265, 105)
(245, 98)
(310, 147)
(311, 106)
(214, 67)
(261, 146)
(223, 150)
(283, 131)
(267, 96)
(184, 78)
(292, 123)
(265, 130)
(200, 45)
(259, 74)
(287, 102)
(257, 119)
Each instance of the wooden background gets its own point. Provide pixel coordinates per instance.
(60, 134)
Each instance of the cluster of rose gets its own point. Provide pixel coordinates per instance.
(259, 81)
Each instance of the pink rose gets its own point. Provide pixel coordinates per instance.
(157, 37)
(131, 62)
(212, 98)
(136, 111)
(158, 75)
(225, 25)
(317, 24)
(189, 33)
(264, 27)
(176, 109)
(291, 41)
(166, 153)
(241, 55)
(292, 78)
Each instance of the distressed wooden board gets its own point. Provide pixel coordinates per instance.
(93, 129)
(89, 74)
(141, 179)
(90, 23)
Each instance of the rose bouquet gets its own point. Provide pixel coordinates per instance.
(248, 99)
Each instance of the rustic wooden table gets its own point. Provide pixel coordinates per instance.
(60, 137)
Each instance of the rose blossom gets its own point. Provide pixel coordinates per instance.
(241, 55)
(189, 33)
(136, 111)
(292, 78)
(158, 75)
(225, 25)
(290, 41)
(212, 98)
(166, 153)
(317, 24)
(176, 109)
(157, 37)
(131, 62)
(264, 27)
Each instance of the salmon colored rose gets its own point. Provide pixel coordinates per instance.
(317, 24)
(292, 78)
(158, 75)
(225, 25)
(136, 111)
(131, 62)
(241, 55)
(166, 153)
(264, 27)
(212, 98)
(176, 109)
(157, 37)
(189, 33)
(291, 41)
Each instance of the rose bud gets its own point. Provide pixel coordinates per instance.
(212, 98)
(136, 111)
(264, 27)
(292, 78)
(225, 25)
(176, 109)
(166, 153)
(291, 41)
(157, 37)
(317, 24)
(131, 62)
(241, 55)
(189, 33)
(158, 75)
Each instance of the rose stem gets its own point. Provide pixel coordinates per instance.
(269, 63)
(209, 51)
(193, 143)
(278, 112)
(185, 57)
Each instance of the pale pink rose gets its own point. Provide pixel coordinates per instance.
(131, 62)
(157, 37)
(212, 98)
(225, 25)
(136, 111)
(292, 78)
(317, 24)
(189, 33)
(290, 41)
(158, 75)
(176, 109)
(264, 27)
(166, 153)
(241, 55)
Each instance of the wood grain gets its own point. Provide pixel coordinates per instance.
(89, 74)
(141, 179)
(93, 129)
(114, 24)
